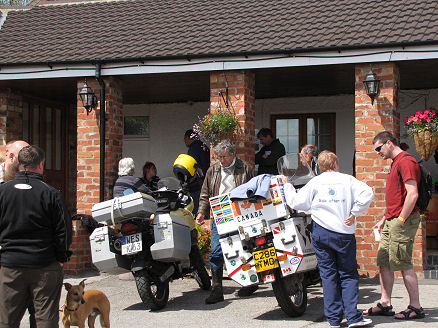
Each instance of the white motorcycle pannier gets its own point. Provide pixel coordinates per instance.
(117, 210)
(101, 255)
(172, 238)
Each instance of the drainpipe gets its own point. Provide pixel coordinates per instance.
(102, 132)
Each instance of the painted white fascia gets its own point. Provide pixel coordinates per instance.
(224, 63)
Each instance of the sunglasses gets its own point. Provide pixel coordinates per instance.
(378, 149)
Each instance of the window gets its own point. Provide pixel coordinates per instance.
(136, 126)
(295, 131)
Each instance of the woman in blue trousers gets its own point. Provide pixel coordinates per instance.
(335, 200)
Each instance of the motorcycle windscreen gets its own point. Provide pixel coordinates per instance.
(294, 166)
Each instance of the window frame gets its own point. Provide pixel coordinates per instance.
(302, 126)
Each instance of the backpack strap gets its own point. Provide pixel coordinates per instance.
(398, 170)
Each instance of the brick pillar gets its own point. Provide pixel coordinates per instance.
(81, 258)
(88, 144)
(241, 93)
(370, 168)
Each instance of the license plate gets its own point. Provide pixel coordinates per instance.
(265, 259)
(131, 244)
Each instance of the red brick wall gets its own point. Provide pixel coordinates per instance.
(11, 117)
(88, 145)
(242, 100)
(370, 168)
(81, 258)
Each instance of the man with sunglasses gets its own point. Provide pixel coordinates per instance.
(398, 228)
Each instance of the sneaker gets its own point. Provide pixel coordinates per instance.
(363, 322)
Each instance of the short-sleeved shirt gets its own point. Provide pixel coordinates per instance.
(395, 188)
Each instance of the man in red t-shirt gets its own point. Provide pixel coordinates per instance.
(398, 228)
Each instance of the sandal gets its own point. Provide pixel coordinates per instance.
(384, 310)
(419, 313)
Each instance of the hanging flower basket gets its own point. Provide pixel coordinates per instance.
(426, 142)
(215, 127)
(423, 127)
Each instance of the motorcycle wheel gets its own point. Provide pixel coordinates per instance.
(293, 305)
(153, 294)
(199, 271)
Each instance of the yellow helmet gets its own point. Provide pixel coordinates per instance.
(184, 167)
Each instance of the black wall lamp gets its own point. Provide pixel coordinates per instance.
(372, 85)
(88, 98)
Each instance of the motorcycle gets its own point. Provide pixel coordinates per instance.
(154, 237)
(266, 242)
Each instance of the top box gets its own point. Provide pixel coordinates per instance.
(228, 215)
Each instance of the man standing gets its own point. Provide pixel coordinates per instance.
(35, 236)
(335, 200)
(271, 151)
(200, 152)
(310, 154)
(398, 228)
(11, 161)
(221, 178)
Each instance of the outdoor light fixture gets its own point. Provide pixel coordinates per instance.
(88, 98)
(372, 84)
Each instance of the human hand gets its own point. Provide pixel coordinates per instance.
(200, 219)
(379, 225)
(283, 179)
(350, 220)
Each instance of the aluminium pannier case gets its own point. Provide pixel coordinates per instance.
(117, 210)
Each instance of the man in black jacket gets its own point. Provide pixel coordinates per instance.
(271, 151)
(35, 237)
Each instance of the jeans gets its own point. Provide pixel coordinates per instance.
(216, 258)
(336, 255)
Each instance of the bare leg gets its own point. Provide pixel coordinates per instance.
(411, 284)
(386, 283)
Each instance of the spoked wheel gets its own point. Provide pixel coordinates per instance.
(154, 294)
(199, 271)
(294, 304)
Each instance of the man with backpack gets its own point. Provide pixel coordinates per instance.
(398, 228)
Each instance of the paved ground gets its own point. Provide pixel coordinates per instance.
(186, 306)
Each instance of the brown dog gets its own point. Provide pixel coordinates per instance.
(79, 305)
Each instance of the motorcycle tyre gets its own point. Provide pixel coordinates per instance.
(199, 271)
(287, 302)
(153, 300)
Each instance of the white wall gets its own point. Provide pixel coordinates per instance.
(168, 122)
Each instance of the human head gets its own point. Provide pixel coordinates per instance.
(11, 157)
(328, 160)
(189, 137)
(225, 152)
(126, 166)
(309, 151)
(31, 158)
(149, 171)
(386, 145)
(265, 136)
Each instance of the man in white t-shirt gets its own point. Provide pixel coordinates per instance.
(335, 200)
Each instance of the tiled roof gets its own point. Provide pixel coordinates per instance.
(161, 29)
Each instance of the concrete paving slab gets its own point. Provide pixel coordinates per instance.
(186, 307)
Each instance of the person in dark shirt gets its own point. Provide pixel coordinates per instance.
(201, 153)
(271, 151)
(126, 180)
(35, 237)
(150, 176)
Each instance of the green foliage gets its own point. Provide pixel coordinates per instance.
(204, 240)
(214, 127)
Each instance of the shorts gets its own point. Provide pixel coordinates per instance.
(397, 242)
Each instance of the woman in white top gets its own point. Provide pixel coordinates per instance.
(335, 200)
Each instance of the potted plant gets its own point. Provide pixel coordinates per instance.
(204, 242)
(423, 127)
(217, 126)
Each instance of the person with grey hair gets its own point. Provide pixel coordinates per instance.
(35, 237)
(310, 154)
(226, 174)
(127, 180)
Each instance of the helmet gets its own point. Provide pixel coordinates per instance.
(184, 167)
